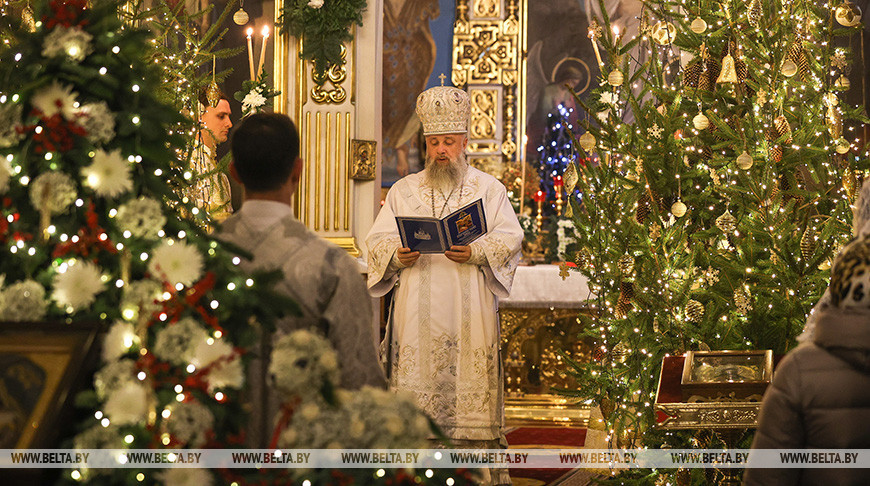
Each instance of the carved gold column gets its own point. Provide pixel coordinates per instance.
(486, 56)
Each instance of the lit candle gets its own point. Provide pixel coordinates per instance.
(250, 53)
(263, 49)
(594, 32)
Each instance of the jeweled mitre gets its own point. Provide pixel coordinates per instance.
(443, 109)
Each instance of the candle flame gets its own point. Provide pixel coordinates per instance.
(265, 31)
(250, 31)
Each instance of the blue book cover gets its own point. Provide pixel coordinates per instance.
(431, 235)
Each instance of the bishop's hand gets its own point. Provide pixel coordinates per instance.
(407, 257)
(458, 253)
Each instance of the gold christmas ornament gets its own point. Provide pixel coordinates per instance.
(28, 19)
(831, 99)
(587, 141)
(615, 78)
(798, 55)
(742, 299)
(808, 243)
(754, 12)
(783, 128)
(701, 121)
(842, 83)
(789, 68)
(841, 146)
(663, 33)
(729, 72)
(582, 258)
(847, 14)
(679, 209)
(699, 26)
(623, 303)
(744, 161)
(212, 92)
(643, 208)
(834, 122)
(626, 264)
(570, 178)
(241, 17)
(694, 311)
(726, 222)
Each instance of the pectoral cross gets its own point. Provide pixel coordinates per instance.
(442, 77)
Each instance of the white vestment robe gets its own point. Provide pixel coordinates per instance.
(444, 324)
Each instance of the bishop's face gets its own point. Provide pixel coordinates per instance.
(443, 149)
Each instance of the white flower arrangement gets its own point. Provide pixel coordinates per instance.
(564, 239)
(226, 364)
(56, 98)
(5, 174)
(185, 476)
(23, 301)
(98, 121)
(70, 41)
(118, 341)
(52, 192)
(115, 375)
(142, 217)
(10, 120)
(188, 422)
(316, 426)
(141, 298)
(127, 404)
(302, 363)
(176, 262)
(99, 437)
(177, 341)
(109, 174)
(383, 419)
(315, 4)
(77, 287)
(253, 101)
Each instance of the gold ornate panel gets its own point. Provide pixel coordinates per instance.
(486, 57)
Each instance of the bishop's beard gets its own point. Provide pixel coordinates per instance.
(445, 177)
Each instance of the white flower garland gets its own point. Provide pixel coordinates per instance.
(109, 174)
(52, 192)
(23, 301)
(565, 239)
(78, 286)
(142, 217)
(70, 41)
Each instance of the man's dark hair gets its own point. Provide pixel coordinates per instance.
(264, 147)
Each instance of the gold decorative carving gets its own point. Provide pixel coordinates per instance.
(362, 163)
(493, 165)
(487, 8)
(483, 148)
(710, 415)
(483, 111)
(336, 75)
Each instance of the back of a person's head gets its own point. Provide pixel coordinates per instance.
(850, 275)
(264, 147)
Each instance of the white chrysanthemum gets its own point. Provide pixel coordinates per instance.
(69, 41)
(176, 262)
(177, 341)
(189, 422)
(98, 121)
(226, 365)
(5, 175)
(315, 3)
(141, 299)
(99, 437)
(55, 98)
(114, 376)
(185, 476)
(253, 100)
(127, 405)
(108, 174)
(23, 301)
(52, 191)
(10, 119)
(302, 362)
(118, 341)
(142, 217)
(78, 286)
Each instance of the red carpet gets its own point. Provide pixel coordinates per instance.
(544, 438)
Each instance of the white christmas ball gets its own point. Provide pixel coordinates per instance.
(701, 121)
(744, 161)
(699, 26)
(678, 209)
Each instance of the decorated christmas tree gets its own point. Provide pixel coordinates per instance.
(727, 170)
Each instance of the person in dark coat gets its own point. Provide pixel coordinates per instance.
(820, 394)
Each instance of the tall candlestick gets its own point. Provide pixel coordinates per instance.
(263, 49)
(250, 52)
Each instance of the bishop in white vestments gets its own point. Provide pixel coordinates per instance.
(444, 325)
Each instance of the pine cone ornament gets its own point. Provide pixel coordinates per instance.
(754, 13)
(694, 311)
(643, 208)
(774, 153)
(626, 264)
(809, 243)
(742, 299)
(798, 55)
(692, 73)
(623, 304)
(783, 129)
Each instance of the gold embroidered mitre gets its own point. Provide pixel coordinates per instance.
(443, 109)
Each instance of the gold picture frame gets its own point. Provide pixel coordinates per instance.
(42, 365)
(362, 160)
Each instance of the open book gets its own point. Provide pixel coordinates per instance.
(432, 235)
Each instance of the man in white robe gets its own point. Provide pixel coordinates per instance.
(444, 325)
